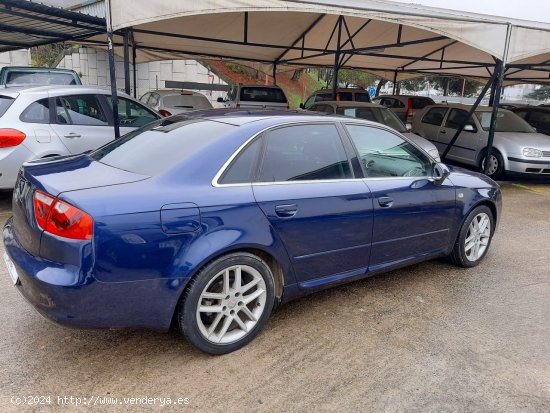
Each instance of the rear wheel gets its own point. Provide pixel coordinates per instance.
(474, 238)
(496, 165)
(227, 304)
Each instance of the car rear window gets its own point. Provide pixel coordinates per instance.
(186, 102)
(160, 145)
(5, 103)
(262, 94)
(40, 78)
(421, 103)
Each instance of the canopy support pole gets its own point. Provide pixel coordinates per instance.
(470, 113)
(394, 82)
(134, 56)
(127, 62)
(337, 59)
(112, 70)
(274, 74)
(499, 70)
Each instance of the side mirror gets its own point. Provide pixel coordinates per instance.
(302, 106)
(440, 173)
(408, 126)
(468, 128)
(220, 100)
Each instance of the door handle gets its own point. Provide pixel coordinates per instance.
(385, 201)
(286, 211)
(73, 135)
(443, 131)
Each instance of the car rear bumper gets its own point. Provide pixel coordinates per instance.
(65, 295)
(529, 166)
(11, 160)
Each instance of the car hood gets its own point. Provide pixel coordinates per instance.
(70, 173)
(534, 140)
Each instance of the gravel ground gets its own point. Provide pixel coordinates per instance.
(428, 338)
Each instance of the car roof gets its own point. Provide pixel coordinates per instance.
(349, 104)
(169, 92)
(261, 86)
(465, 107)
(58, 90)
(342, 89)
(404, 96)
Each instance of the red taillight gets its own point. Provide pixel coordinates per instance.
(409, 114)
(165, 113)
(11, 137)
(59, 218)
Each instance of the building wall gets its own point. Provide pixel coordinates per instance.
(93, 67)
(15, 58)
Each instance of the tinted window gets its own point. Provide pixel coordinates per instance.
(262, 94)
(385, 154)
(379, 115)
(392, 103)
(37, 112)
(521, 113)
(132, 114)
(80, 110)
(456, 118)
(323, 109)
(323, 96)
(149, 151)
(5, 103)
(241, 169)
(434, 116)
(421, 103)
(344, 96)
(362, 97)
(540, 119)
(304, 152)
(40, 78)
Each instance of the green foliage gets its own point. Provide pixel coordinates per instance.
(415, 85)
(454, 84)
(355, 77)
(242, 70)
(542, 93)
(49, 55)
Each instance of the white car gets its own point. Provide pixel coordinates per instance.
(170, 102)
(375, 113)
(255, 97)
(517, 147)
(46, 121)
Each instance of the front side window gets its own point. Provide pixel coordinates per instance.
(506, 122)
(303, 153)
(80, 110)
(132, 114)
(435, 116)
(385, 154)
(456, 118)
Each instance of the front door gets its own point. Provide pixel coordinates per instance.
(323, 215)
(469, 142)
(413, 216)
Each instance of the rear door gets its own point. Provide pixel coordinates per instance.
(81, 122)
(307, 190)
(429, 127)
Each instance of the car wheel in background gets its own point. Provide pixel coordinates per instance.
(496, 164)
(227, 304)
(474, 238)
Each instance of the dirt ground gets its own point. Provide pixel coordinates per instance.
(429, 338)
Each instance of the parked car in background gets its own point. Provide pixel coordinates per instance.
(48, 121)
(375, 113)
(517, 147)
(536, 116)
(170, 102)
(30, 75)
(342, 95)
(255, 97)
(404, 106)
(214, 232)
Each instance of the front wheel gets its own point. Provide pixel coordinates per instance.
(227, 303)
(496, 165)
(474, 238)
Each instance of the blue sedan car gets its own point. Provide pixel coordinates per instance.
(213, 219)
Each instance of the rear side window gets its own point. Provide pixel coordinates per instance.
(37, 112)
(304, 152)
(344, 96)
(434, 116)
(421, 103)
(80, 110)
(5, 103)
(262, 94)
(241, 169)
(362, 97)
(160, 145)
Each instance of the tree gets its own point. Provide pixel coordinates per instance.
(48, 55)
(542, 93)
(354, 77)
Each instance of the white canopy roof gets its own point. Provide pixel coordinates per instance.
(382, 37)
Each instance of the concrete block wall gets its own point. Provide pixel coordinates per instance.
(93, 67)
(15, 58)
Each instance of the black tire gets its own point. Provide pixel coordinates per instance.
(458, 255)
(496, 157)
(188, 317)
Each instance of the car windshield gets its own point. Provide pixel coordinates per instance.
(506, 122)
(263, 94)
(160, 145)
(5, 103)
(40, 78)
(379, 115)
